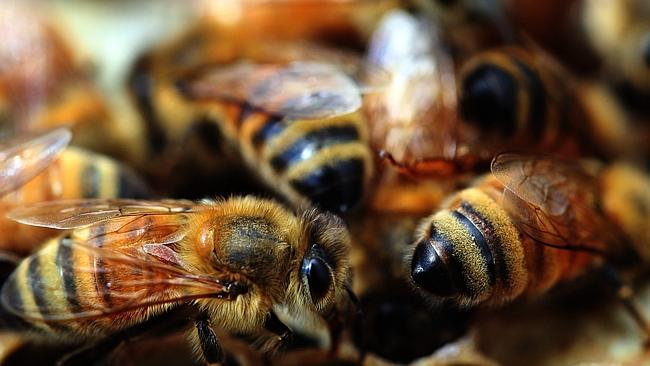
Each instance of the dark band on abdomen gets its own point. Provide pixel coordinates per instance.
(101, 282)
(65, 263)
(493, 241)
(311, 143)
(481, 243)
(536, 119)
(445, 249)
(90, 181)
(35, 282)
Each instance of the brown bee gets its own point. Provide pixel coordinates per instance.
(297, 125)
(506, 98)
(619, 31)
(39, 167)
(532, 223)
(237, 263)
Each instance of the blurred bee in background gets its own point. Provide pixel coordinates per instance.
(525, 96)
(39, 167)
(535, 221)
(298, 125)
(619, 31)
(43, 85)
(126, 261)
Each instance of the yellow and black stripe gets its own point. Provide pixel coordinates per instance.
(326, 160)
(84, 174)
(507, 93)
(472, 253)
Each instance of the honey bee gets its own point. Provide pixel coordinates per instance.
(39, 167)
(297, 125)
(619, 31)
(535, 221)
(235, 262)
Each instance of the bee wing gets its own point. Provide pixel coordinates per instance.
(554, 201)
(121, 279)
(296, 90)
(23, 158)
(71, 214)
(414, 117)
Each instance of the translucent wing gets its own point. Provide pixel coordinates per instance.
(554, 201)
(70, 214)
(23, 158)
(414, 118)
(87, 281)
(297, 89)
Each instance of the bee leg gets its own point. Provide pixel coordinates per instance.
(625, 293)
(210, 346)
(274, 325)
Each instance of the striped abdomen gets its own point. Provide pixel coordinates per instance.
(325, 160)
(75, 174)
(66, 288)
(473, 253)
(505, 92)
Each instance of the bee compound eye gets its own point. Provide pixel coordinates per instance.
(430, 272)
(318, 276)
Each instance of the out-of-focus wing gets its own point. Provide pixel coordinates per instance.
(23, 158)
(297, 90)
(414, 117)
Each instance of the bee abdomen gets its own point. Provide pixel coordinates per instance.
(505, 91)
(141, 84)
(37, 291)
(335, 186)
(311, 144)
(328, 161)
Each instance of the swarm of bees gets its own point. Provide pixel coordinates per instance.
(326, 182)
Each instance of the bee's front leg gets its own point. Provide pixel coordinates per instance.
(274, 325)
(212, 351)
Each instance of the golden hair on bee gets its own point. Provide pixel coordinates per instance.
(532, 223)
(235, 262)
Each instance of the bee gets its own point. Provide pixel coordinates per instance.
(297, 125)
(38, 167)
(619, 31)
(522, 98)
(235, 262)
(534, 222)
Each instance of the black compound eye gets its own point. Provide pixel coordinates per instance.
(318, 277)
